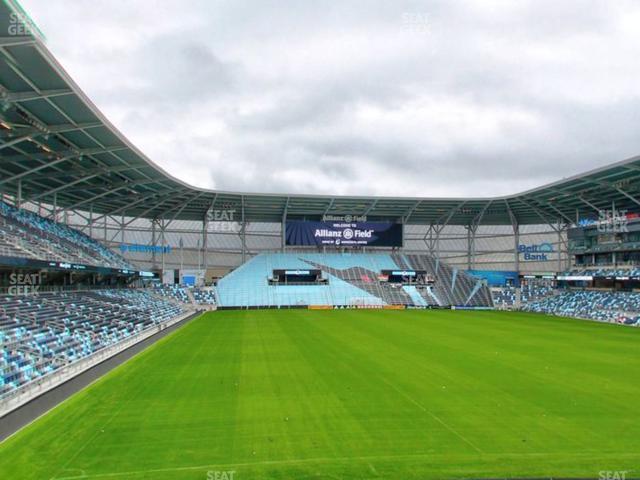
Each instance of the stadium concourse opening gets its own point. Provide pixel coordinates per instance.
(445, 356)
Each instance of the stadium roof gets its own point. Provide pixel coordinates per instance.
(55, 145)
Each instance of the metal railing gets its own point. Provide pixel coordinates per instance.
(7, 290)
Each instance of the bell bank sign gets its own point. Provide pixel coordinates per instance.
(536, 252)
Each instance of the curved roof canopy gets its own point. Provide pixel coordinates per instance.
(55, 143)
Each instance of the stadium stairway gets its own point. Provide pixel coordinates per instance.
(415, 296)
(186, 295)
(190, 296)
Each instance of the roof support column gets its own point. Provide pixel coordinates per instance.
(474, 230)
(283, 231)
(516, 237)
(163, 243)
(560, 247)
(19, 196)
(516, 247)
(470, 242)
(154, 242)
(205, 227)
(91, 220)
(283, 226)
(244, 233)
(429, 235)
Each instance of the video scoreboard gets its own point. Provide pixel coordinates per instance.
(344, 231)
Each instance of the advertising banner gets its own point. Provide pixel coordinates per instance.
(343, 233)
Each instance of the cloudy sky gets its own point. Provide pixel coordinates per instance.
(360, 97)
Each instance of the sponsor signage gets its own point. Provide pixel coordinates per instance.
(66, 266)
(297, 273)
(357, 307)
(464, 307)
(496, 278)
(404, 273)
(138, 248)
(588, 278)
(535, 252)
(344, 218)
(609, 221)
(576, 278)
(343, 233)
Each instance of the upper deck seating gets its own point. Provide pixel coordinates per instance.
(28, 235)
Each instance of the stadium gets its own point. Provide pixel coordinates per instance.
(154, 329)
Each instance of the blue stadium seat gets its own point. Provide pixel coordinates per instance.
(351, 279)
(25, 234)
(39, 334)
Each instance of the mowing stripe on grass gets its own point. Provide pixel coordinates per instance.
(352, 394)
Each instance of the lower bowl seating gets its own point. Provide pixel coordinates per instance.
(620, 307)
(39, 334)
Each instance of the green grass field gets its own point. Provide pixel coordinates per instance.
(352, 394)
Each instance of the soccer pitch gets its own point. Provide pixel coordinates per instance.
(352, 394)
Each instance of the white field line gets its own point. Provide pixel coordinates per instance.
(432, 415)
(325, 460)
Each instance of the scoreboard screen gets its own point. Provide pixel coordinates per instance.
(296, 276)
(343, 233)
(407, 276)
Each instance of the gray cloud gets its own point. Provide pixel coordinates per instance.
(362, 97)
